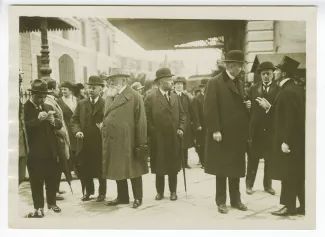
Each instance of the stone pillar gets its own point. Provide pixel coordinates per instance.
(259, 39)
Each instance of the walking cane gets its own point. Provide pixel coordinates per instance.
(183, 163)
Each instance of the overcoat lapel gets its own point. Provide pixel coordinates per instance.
(173, 98)
(65, 108)
(120, 100)
(259, 89)
(98, 106)
(280, 91)
(88, 107)
(162, 99)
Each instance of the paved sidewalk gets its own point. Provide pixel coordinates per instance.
(198, 207)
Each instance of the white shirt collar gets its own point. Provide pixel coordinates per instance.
(229, 75)
(122, 89)
(178, 92)
(36, 106)
(284, 81)
(51, 97)
(163, 92)
(96, 99)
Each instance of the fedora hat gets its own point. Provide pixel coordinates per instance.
(180, 79)
(288, 65)
(116, 72)
(95, 81)
(163, 72)
(137, 86)
(265, 66)
(39, 86)
(235, 56)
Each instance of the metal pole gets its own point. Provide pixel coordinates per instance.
(45, 58)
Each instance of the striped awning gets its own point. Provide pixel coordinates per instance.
(33, 24)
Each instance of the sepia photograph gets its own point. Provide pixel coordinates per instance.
(162, 117)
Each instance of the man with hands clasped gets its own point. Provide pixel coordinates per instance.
(227, 116)
(85, 126)
(287, 160)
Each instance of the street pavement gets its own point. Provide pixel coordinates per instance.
(195, 211)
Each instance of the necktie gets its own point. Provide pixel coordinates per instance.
(167, 97)
(265, 87)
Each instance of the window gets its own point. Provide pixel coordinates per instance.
(85, 74)
(97, 41)
(108, 46)
(65, 34)
(83, 33)
(39, 65)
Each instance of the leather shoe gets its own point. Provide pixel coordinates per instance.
(86, 197)
(223, 209)
(116, 202)
(284, 211)
(240, 206)
(173, 196)
(54, 208)
(137, 203)
(249, 191)
(301, 211)
(39, 213)
(62, 192)
(270, 191)
(187, 166)
(100, 198)
(159, 196)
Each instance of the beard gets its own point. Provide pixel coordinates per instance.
(112, 91)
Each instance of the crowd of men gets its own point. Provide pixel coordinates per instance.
(110, 132)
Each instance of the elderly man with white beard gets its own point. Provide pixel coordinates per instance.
(124, 137)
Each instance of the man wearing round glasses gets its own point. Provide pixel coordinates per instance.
(259, 127)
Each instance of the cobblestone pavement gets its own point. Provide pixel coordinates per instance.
(197, 210)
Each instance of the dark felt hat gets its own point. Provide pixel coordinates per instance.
(39, 86)
(68, 84)
(265, 66)
(95, 81)
(180, 79)
(288, 65)
(235, 56)
(163, 72)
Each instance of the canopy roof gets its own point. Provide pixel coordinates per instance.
(276, 59)
(165, 34)
(33, 23)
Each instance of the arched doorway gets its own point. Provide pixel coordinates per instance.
(66, 68)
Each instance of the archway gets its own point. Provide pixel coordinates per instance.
(66, 69)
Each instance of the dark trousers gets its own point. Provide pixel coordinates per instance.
(252, 167)
(88, 183)
(38, 175)
(290, 190)
(221, 190)
(123, 190)
(160, 183)
(200, 151)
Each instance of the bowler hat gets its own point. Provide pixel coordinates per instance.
(235, 56)
(288, 65)
(163, 72)
(137, 86)
(95, 81)
(39, 86)
(266, 66)
(116, 72)
(180, 79)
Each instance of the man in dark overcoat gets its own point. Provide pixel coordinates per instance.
(200, 134)
(259, 127)
(287, 159)
(166, 124)
(191, 123)
(41, 122)
(227, 118)
(124, 133)
(88, 114)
